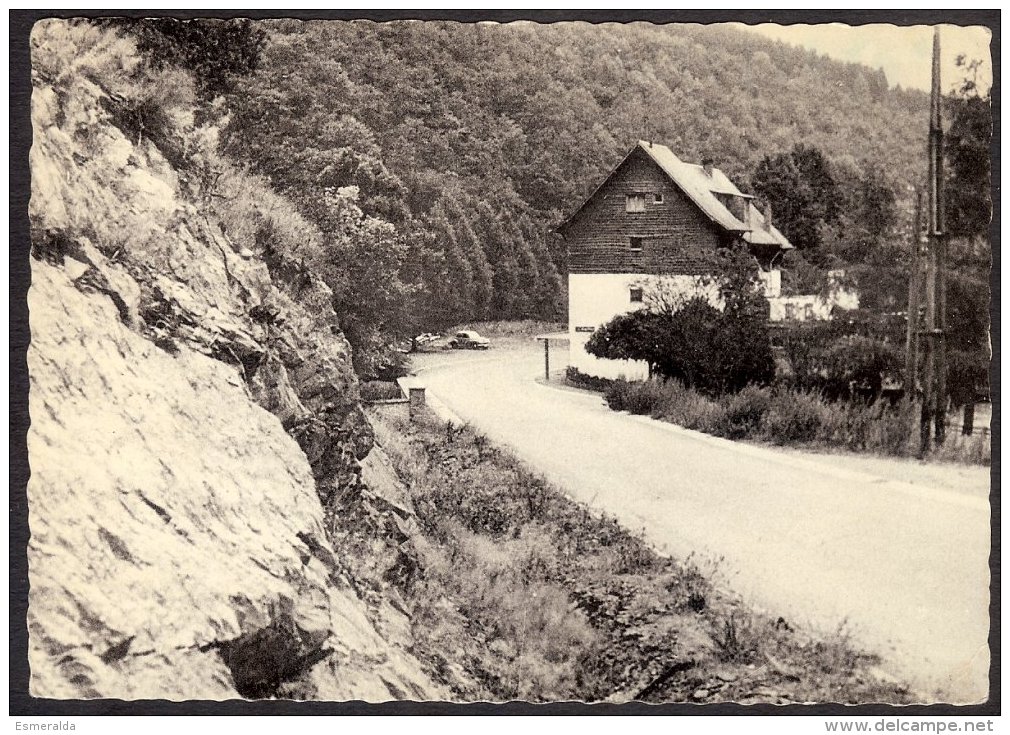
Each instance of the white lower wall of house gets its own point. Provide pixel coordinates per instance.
(811, 307)
(596, 298)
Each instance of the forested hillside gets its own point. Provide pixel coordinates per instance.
(463, 145)
(539, 113)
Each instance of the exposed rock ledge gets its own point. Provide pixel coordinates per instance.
(176, 529)
(194, 429)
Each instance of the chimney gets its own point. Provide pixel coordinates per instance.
(768, 216)
(706, 163)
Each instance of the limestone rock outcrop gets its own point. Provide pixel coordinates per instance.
(192, 423)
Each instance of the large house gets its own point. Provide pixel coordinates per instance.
(654, 216)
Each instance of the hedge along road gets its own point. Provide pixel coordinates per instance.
(903, 564)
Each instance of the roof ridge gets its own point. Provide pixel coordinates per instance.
(701, 188)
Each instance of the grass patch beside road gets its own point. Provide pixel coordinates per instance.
(786, 416)
(522, 593)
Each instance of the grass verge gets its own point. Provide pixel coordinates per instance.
(786, 416)
(518, 592)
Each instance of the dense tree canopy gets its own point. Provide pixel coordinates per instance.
(968, 217)
(437, 157)
(493, 132)
(216, 52)
(802, 192)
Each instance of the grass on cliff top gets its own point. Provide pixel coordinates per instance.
(525, 594)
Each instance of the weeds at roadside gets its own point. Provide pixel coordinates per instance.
(786, 416)
(522, 593)
(735, 639)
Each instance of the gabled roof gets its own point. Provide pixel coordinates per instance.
(701, 188)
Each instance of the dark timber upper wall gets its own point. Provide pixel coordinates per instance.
(675, 234)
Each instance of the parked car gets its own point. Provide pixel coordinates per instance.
(469, 340)
(427, 338)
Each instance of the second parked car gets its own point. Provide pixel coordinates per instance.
(469, 340)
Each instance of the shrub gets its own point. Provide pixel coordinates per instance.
(790, 416)
(858, 364)
(824, 358)
(383, 363)
(708, 416)
(736, 639)
(847, 425)
(380, 390)
(671, 401)
(746, 411)
(893, 428)
(975, 449)
(214, 51)
(578, 379)
(795, 416)
(639, 397)
(707, 349)
(690, 409)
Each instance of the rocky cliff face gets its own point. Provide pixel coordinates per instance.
(195, 431)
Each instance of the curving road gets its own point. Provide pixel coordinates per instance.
(817, 540)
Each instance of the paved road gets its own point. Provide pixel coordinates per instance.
(905, 565)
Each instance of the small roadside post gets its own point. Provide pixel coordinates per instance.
(557, 337)
(416, 399)
(547, 359)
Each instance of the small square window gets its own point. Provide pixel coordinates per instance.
(636, 295)
(658, 198)
(635, 244)
(634, 203)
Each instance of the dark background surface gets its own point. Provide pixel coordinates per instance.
(21, 703)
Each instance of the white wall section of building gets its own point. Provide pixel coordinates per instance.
(593, 300)
(596, 298)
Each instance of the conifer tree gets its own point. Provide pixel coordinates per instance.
(548, 301)
(481, 275)
(529, 284)
(505, 269)
(456, 292)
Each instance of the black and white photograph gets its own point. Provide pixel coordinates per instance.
(509, 359)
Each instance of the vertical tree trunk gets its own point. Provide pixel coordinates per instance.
(968, 425)
(925, 427)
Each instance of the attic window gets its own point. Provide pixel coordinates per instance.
(635, 244)
(635, 294)
(634, 203)
(658, 199)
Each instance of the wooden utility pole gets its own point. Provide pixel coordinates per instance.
(914, 292)
(928, 352)
(939, 246)
(934, 384)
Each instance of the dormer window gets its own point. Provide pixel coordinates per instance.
(634, 203)
(737, 205)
